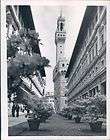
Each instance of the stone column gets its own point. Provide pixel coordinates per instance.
(88, 58)
(99, 88)
(98, 30)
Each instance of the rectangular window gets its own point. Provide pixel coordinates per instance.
(89, 56)
(102, 40)
(90, 93)
(88, 34)
(96, 88)
(95, 49)
(101, 36)
(66, 101)
(104, 33)
(92, 53)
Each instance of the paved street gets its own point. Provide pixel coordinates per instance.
(55, 126)
(17, 124)
(12, 121)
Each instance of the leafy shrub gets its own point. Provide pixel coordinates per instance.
(95, 108)
(41, 110)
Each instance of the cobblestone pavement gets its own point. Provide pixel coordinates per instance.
(57, 126)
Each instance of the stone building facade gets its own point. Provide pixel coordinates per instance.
(49, 98)
(87, 68)
(61, 66)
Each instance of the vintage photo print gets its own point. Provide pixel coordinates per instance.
(54, 70)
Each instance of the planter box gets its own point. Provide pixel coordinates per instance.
(77, 119)
(96, 126)
(33, 124)
(43, 120)
(69, 117)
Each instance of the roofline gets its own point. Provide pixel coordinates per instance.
(86, 19)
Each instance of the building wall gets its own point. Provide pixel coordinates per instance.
(60, 83)
(88, 73)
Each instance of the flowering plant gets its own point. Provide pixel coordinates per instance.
(25, 64)
(40, 110)
(78, 110)
(66, 112)
(95, 108)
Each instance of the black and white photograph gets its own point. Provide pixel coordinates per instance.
(55, 60)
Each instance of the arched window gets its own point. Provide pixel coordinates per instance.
(61, 26)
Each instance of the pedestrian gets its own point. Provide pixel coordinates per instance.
(13, 110)
(28, 111)
(17, 110)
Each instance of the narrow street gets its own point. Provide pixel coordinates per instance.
(56, 66)
(52, 128)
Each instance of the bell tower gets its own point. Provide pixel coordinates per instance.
(60, 37)
(61, 65)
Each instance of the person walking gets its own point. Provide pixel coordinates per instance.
(13, 110)
(17, 110)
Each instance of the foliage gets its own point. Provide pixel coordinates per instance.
(13, 44)
(95, 108)
(25, 40)
(91, 109)
(74, 110)
(66, 112)
(78, 110)
(41, 110)
(23, 64)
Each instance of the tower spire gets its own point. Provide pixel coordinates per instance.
(61, 12)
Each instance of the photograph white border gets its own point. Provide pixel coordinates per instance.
(4, 110)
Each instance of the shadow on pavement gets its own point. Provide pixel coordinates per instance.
(91, 133)
(41, 130)
(17, 129)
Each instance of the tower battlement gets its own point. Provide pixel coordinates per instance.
(60, 37)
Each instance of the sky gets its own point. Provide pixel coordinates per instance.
(45, 20)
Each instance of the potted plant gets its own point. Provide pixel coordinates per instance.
(40, 112)
(26, 64)
(33, 121)
(95, 111)
(63, 112)
(35, 118)
(67, 112)
(77, 111)
(46, 112)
